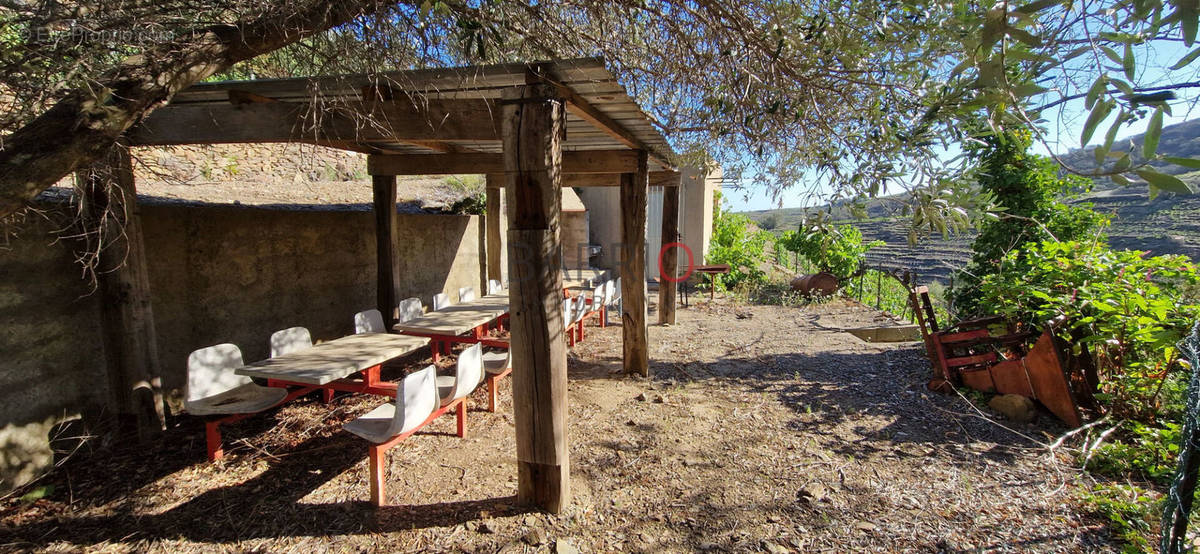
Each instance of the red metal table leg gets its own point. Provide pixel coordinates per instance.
(212, 436)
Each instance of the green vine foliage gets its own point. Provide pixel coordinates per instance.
(737, 242)
(1031, 201)
(1129, 309)
(837, 250)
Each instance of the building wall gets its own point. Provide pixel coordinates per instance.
(695, 218)
(696, 209)
(217, 274)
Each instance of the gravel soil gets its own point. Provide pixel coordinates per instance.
(764, 428)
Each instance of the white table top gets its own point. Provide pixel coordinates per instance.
(336, 359)
(458, 318)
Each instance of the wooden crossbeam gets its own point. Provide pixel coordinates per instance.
(352, 121)
(657, 179)
(455, 163)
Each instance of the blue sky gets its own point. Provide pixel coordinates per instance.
(1063, 130)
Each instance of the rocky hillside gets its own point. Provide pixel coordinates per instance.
(292, 176)
(1169, 224)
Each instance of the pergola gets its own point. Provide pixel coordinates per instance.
(531, 129)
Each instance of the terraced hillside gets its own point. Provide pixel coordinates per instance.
(1170, 224)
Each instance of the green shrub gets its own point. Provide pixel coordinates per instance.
(837, 250)
(1143, 452)
(1129, 309)
(1030, 193)
(737, 242)
(1131, 512)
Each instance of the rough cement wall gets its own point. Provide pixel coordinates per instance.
(217, 274)
(575, 240)
(604, 223)
(51, 355)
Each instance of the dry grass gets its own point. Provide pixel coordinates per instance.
(769, 431)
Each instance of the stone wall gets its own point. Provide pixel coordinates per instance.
(217, 274)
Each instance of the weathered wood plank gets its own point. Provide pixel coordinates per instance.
(588, 161)
(113, 219)
(669, 256)
(634, 190)
(533, 120)
(353, 121)
(383, 202)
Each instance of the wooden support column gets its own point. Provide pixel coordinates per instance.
(634, 188)
(669, 256)
(533, 128)
(114, 230)
(383, 202)
(494, 213)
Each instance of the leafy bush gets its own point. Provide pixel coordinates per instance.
(1130, 511)
(838, 250)
(769, 222)
(1129, 309)
(1144, 451)
(1030, 194)
(737, 242)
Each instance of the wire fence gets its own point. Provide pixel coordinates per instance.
(1177, 506)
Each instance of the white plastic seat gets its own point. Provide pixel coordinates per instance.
(494, 286)
(369, 321)
(441, 301)
(213, 388)
(468, 373)
(466, 294)
(292, 339)
(495, 363)
(416, 399)
(409, 309)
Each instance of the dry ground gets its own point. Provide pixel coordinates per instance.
(764, 429)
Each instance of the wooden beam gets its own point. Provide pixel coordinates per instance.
(495, 184)
(387, 268)
(533, 121)
(456, 163)
(354, 121)
(668, 256)
(634, 190)
(581, 108)
(113, 219)
(657, 179)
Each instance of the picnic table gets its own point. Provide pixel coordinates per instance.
(452, 324)
(330, 365)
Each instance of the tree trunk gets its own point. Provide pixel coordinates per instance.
(85, 125)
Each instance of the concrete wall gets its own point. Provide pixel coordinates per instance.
(51, 353)
(217, 274)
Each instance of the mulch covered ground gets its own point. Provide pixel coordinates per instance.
(764, 428)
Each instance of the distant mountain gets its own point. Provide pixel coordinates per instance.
(1170, 224)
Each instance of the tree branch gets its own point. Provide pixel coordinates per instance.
(87, 123)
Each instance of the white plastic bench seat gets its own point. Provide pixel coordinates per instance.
(246, 399)
(420, 398)
(496, 362)
(416, 393)
(213, 389)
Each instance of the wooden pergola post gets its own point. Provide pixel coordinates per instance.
(130, 338)
(492, 220)
(669, 256)
(383, 202)
(533, 118)
(634, 188)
